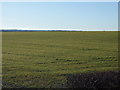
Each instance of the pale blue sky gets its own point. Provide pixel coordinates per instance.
(60, 15)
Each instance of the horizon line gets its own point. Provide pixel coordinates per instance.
(57, 29)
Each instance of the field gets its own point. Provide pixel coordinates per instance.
(44, 59)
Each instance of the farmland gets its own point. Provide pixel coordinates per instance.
(43, 59)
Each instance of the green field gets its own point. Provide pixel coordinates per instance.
(43, 59)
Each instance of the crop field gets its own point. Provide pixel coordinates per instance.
(45, 59)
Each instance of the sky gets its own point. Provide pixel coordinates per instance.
(101, 16)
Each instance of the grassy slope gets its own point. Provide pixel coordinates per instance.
(40, 59)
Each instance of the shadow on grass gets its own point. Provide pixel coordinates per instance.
(94, 80)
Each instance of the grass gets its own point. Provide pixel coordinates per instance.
(95, 80)
(43, 59)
